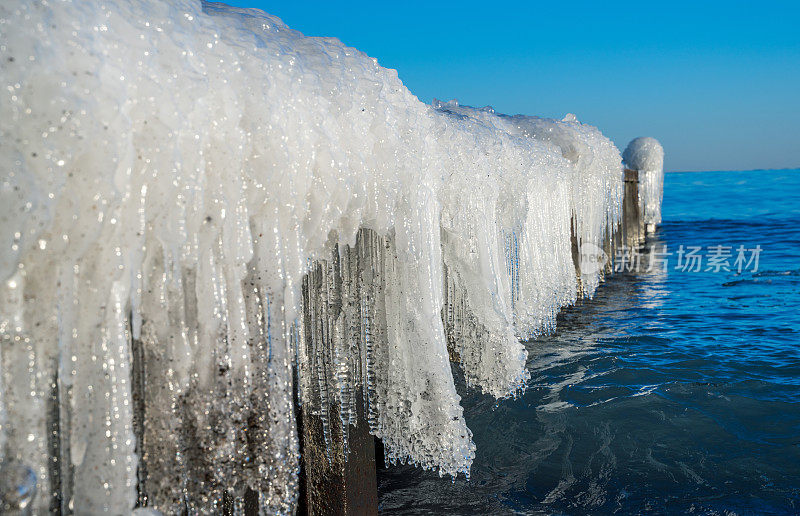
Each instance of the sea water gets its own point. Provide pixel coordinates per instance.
(671, 391)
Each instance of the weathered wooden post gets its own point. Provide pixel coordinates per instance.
(339, 479)
(632, 222)
(645, 157)
(338, 458)
(576, 252)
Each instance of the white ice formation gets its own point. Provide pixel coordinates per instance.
(179, 177)
(646, 155)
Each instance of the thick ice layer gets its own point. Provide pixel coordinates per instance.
(176, 172)
(591, 174)
(646, 155)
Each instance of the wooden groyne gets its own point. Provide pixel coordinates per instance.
(338, 477)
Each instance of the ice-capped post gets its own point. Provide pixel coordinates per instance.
(646, 155)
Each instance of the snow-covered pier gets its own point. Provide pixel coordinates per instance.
(231, 253)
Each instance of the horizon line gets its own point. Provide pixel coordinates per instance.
(786, 169)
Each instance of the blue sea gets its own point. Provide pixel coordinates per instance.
(671, 391)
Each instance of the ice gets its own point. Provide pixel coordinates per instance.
(17, 488)
(208, 218)
(646, 155)
(590, 171)
(143, 511)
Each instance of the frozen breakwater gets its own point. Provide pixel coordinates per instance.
(208, 219)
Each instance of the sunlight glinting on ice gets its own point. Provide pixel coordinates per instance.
(175, 174)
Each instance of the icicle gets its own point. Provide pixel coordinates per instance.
(28, 375)
(208, 215)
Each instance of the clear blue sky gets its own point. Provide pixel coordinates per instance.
(717, 82)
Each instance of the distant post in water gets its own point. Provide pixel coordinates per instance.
(645, 156)
(633, 226)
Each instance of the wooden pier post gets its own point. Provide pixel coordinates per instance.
(632, 222)
(338, 481)
(576, 253)
(338, 474)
